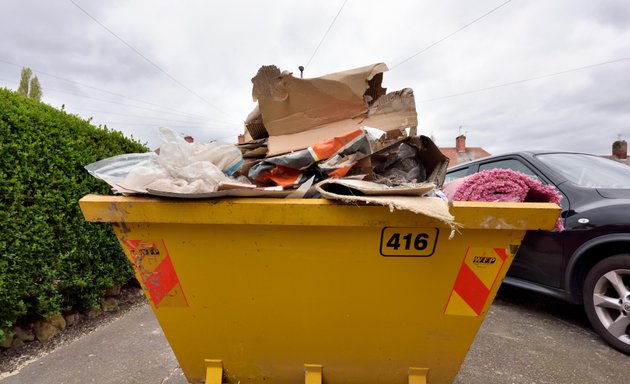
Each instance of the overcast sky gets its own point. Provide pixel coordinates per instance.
(191, 62)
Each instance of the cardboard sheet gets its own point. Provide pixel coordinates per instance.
(298, 112)
(369, 188)
(396, 111)
(291, 105)
(408, 198)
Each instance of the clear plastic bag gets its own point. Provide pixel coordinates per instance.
(114, 170)
(180, 167)
(175, 152)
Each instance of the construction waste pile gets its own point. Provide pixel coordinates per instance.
(340, 137)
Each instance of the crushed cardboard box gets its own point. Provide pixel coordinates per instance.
(295, 113)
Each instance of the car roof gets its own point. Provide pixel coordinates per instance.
(526, 153)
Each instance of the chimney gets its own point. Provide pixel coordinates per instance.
(620, 149)
(460, 144)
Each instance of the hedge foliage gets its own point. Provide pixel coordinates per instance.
(51, 259)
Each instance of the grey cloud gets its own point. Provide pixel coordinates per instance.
(215, 48)
(612, 13)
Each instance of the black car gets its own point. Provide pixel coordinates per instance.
(589, 262)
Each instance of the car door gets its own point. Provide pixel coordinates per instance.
(539, 258)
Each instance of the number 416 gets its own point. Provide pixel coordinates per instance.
(419, 243)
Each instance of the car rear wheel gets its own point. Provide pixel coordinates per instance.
(607, 300)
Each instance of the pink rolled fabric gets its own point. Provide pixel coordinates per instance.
(503, 185)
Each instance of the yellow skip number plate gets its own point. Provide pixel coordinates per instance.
(408, 241)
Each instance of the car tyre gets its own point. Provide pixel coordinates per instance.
(607, 300)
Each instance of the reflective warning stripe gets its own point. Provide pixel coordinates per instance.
(161, 281)
(155, 272)
(472, 290)
(476, 277)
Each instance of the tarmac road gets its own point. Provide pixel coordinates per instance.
(526, 338)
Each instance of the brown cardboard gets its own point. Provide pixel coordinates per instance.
(256, 153)
(435, 162)
(298, 112)
(391, 112)
(291, 105)
(254, 125)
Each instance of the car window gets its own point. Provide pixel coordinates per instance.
(588, 171)
(518, 166)
(512, 164)
(454, 175)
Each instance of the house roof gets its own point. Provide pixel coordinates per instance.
(469, 154)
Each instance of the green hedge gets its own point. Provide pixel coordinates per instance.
(51, 260)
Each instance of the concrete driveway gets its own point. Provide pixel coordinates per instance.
(526, 338)
(530, 338)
